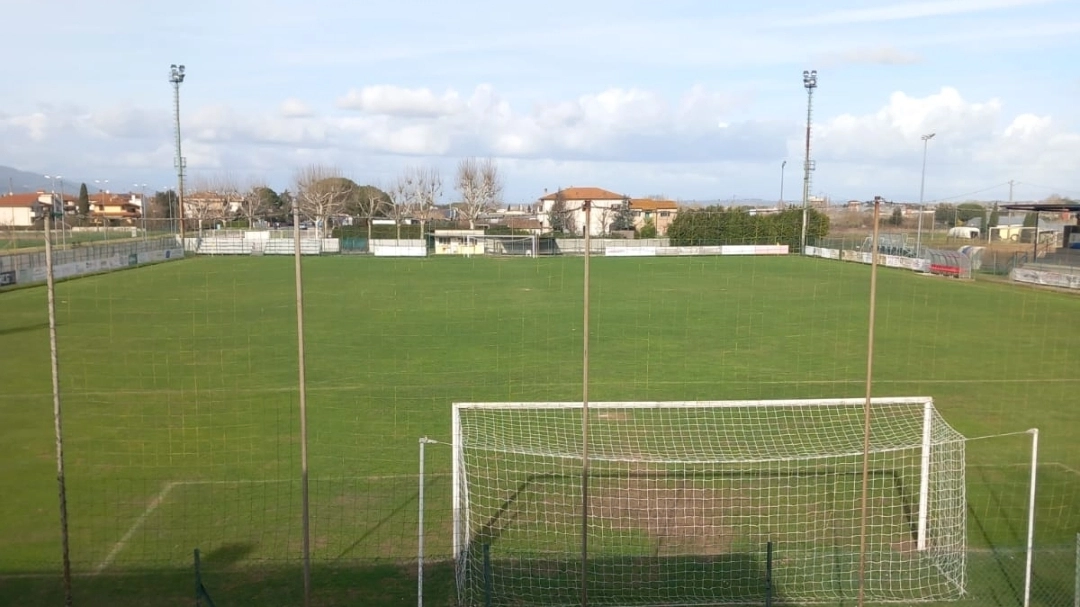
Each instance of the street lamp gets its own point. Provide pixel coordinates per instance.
(782, 165)
(176, 77)
(102, 191)
(54, 179)
(809, 79)
(922, 187)
(142, 205)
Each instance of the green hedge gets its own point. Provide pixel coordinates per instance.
(714, 225)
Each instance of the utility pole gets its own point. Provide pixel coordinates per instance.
(810, 82)
(176, 77)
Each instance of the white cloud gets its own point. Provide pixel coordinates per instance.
(294, 108)
(975, 144)
(912, 10)
(391, 100)
(685, 145)
(885, 55)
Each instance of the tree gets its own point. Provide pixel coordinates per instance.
(256, 203)
(480, 186)
(897, 217)
(559, 217)
(624, 218)
(648, 229)
(370, 202)
(995, 218)
(967, 211)
(401, 193)
(945, 214)
(163, 206)
(321, 193)
(424, 192)
(84, 202)
(210, 198)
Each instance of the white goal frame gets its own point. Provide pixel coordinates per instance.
(461, 510)
(484, 239)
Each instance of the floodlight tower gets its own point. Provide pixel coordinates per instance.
(922, 186)
(809, 80)
(176, 77)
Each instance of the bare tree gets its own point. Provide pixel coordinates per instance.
(425, 191)
(321, 193)
(254, 203)
(401, 194)
(209, 198)
(480, 186)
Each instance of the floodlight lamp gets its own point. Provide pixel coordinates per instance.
(928, 137)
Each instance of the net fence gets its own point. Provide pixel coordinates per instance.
(180, 392)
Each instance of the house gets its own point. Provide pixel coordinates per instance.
(658, 212)
(114, 208)
(605, 205)
(205, 204)
(525, 224)
(24, 210)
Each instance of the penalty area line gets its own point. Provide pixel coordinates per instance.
(122, 542)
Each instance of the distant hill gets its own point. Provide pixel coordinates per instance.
(16, 181)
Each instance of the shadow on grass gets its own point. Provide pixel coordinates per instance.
(24, 329)
(270, 585)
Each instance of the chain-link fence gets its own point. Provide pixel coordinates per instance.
(181, 399)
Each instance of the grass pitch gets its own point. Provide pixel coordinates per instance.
(181, 424)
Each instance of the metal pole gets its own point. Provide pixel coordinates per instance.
(810, 82)
(922, 189)
(587, 206)
(782, 165)
(305, 523)
(420, 529)
(63, 215)
(866, 405)
(176, 76)
(58, 427)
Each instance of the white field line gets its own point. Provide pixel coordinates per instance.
(356, 387)
(1063, 467)
(1059, 465)
(150, 508)
(164, 493)
(159, 499)
(266, 481)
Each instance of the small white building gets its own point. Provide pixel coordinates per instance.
(22, 210)
(458, 242)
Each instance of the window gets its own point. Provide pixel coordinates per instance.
(665, 213)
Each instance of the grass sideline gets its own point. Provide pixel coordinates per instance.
(185, 373)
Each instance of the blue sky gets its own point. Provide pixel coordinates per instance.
(695, 100)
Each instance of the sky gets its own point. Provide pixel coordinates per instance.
(693, 100)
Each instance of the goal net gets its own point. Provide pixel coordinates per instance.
(684, 497)
(508, 244)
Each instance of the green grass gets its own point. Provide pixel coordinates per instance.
(179, 392)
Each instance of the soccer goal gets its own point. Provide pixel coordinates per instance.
(684, 497)
(509, 244)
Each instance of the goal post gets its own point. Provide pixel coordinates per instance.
(509, 244)
(684, 498)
